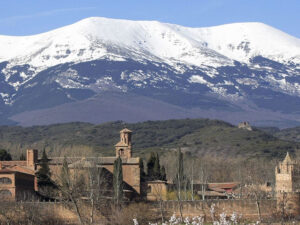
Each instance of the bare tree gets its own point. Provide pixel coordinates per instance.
(191, 179)
(202, 173)
(83, 186)
(159, 191)
(96, 189)
(71, 187)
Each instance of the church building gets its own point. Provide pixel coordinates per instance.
(18, 177)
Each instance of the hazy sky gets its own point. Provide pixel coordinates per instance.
(25, 17)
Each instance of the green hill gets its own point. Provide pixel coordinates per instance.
(289, 134)
(196, 136)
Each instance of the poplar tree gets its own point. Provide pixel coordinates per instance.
(118, 181)
(65, 174)
(180, 172)
(179, 180)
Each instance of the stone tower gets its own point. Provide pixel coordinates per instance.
(123, 147)
(287, 176)
(287, 186)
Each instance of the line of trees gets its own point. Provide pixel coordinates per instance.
(154, 170)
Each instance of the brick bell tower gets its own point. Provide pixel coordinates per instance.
(123, 147)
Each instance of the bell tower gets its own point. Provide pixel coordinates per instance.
(123, 147)
(287, 186)
(287, 175)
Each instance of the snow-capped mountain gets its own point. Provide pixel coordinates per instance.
(242, 67)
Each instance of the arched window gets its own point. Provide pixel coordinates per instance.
(149, 189)
(121, 152)
(5, 194)
(5, 180)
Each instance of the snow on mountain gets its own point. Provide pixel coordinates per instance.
(94, 38)
(235, 62)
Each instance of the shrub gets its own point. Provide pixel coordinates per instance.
(140, 211)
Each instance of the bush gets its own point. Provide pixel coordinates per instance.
(140, 211)
(171, 195)
(31, 213)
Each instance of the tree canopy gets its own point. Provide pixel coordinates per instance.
(4, 155)
(154, 170)
(44, 174)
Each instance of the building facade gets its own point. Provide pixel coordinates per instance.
(123, 149)
(17, 178)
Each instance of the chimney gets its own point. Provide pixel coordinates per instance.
(32, 158)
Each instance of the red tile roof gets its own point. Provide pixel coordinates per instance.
(229, 185)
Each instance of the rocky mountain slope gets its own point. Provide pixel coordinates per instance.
(103, 69)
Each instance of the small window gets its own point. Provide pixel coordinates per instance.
(5, 180)
(149, 189)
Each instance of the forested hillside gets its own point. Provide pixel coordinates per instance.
(197, 136)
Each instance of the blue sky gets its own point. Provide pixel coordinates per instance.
(26, 17)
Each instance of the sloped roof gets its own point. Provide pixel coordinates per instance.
(125, 130)
(13, 163)
(8, 171)
(217, 189)
(22, 169)
(121, 144)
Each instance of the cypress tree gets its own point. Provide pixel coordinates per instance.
(44, 174)
(118, 181)
(163, 175)
(22, 157)
(142, 170)
(150, 165)
(180, 172)
(156, 168)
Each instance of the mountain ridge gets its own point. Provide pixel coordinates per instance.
(248, 65)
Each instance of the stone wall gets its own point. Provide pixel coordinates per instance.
(247, 208)
(131, 175)
(288, 203)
